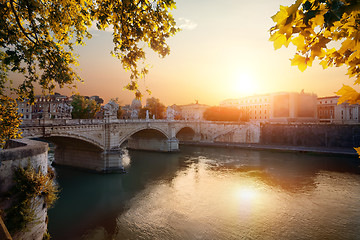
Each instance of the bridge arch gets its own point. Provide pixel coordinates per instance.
(137, 130)
(57, 138)
(185, 134)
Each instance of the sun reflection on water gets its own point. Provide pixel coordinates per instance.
(246, 194)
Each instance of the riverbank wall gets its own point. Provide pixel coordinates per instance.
(299, 137)
(311, 135)
(23, 153)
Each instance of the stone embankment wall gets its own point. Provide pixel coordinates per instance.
(311, 135)
(22, 153)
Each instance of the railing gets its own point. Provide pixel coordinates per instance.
(71, 122)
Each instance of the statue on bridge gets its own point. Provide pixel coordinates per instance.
(110, 110)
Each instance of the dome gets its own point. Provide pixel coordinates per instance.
(136, 104)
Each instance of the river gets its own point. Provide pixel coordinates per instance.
(212, 193)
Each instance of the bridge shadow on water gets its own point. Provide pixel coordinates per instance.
(91, 201)
(98, 199)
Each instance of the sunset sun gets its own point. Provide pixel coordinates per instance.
(245, 83)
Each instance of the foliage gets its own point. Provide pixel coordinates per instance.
(313, 25)
(225, 114)
(142, 112)
(29, 185)
(84, 108)
(9, 120)
(156, 108)
(46, 236)
(120, 113)
(38, 37)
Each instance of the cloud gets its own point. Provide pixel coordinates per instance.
(186, 24)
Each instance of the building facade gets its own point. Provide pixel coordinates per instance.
(193, 111)
(279, 107)
(329, 111)
(25, 109)
(173, 112)
(55, 106)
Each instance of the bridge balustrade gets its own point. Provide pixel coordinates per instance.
(67, 122)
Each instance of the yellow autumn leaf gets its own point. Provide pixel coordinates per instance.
(274, 36)
(347, 44)
(348, 94)
(299, 42)
(281, 15)
(299, 61)
(294, 7)
(280, 41)
(327, 33)
(318, 20)
(324, 64)
(358, 151)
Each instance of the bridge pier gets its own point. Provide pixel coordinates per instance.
(98, 161)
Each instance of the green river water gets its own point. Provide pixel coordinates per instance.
(212, 193)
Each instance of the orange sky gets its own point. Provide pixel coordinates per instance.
(222, 52)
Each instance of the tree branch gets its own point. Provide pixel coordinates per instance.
(19, 23)
(352, 7)
(32, 23)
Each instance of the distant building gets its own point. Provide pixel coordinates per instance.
(25, 108)
(329, 111)
(173, 112)
(278, 107)
(135, 108)
(193, 111)
(131, 111)
(126, 111)
(55, 106)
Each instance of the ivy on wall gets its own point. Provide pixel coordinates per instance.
(31, 188)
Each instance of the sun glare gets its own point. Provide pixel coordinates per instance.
(246, 194)
(245, 84)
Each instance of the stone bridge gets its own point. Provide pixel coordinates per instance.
(94, 139)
